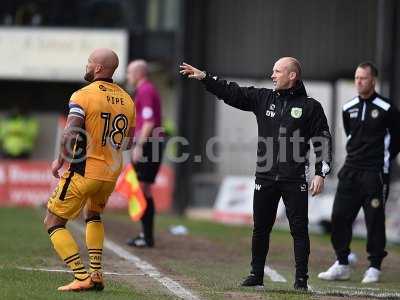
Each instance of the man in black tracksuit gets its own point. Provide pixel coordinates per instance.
(287, 120)
(371, 125)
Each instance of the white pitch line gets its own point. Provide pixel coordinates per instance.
(145, 267)
(355, 291)
(69, 271)
(358, 288)
(359, 293)
(274, 275)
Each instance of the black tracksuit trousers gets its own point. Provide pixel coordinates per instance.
(265, 204)
(356, 189)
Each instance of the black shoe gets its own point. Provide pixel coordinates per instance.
(253, 280)
(140, 242)
(300, 284)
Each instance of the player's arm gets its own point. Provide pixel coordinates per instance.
(75, 123)
(243, 98)
(129, 143)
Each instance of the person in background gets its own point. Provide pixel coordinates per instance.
(149, 144)
(371, 124)
(18, 134)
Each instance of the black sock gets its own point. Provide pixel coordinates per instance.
(148, 221)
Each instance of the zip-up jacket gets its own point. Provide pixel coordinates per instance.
(287, 121)
(373, 133)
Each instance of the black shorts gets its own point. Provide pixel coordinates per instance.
(147, 168)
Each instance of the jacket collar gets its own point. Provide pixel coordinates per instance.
(370, 98)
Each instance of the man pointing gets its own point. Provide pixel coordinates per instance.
(287, 121)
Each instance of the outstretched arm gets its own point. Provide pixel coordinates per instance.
(192, 72)
(244, 98)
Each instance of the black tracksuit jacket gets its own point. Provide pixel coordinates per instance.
(372, 127)
(280, 115)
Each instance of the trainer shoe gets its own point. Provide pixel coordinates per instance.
(300, 284)
(336, 272)
(97, 280)
(140, 242)
(353, 259)
(371, 275)
(78, 285)
(253, 280)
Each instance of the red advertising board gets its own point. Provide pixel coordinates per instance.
(25, 183)
(29, 183)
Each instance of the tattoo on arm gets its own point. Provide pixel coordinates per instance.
(69, 137)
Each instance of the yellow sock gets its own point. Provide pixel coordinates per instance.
(94, 242)
(68, 250)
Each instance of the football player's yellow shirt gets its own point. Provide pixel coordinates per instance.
(108, 112)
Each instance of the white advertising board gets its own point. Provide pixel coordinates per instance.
(234, 205)
(234, 202)
(56, 54)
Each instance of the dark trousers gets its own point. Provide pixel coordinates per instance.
(146, 172)
(356, 189)
(148, 221)
(266, 198)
